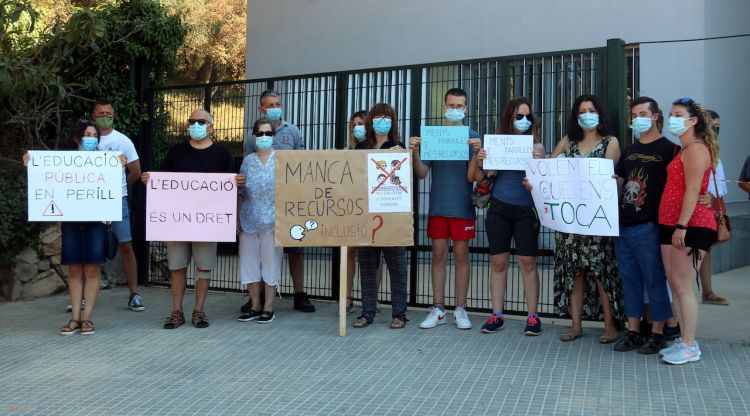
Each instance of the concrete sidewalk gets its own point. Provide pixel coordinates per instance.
(298, 365)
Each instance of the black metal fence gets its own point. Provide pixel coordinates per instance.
(320, 105)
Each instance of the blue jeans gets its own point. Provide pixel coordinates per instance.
(638, 252)
(122, 228)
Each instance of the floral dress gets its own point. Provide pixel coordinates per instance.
(574, 252)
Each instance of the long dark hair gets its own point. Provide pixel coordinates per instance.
(76, 132)
(381, 110)
(575, 132)
(507, 118)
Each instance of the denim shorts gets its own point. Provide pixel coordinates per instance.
(83, 243)
(122, 228)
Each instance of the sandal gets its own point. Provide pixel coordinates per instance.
(606, 339)
(361, 322)
(174, 320)
(349, 306)
(570, 335)
(712, 298)
(87, 328)
(398, 323)
(70, 329)
(199, 319)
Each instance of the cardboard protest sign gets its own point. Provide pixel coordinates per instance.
(74, 186)
(191, 207)
(444, 143)
(575, 195)
(507, 152)
(344, 198)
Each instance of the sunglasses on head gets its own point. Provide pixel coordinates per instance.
(688, 101)
(263, 133)
(201, 121)
(521, 116)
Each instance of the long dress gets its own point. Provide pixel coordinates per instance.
(574, 252)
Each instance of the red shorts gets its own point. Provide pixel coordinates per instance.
(457, 229)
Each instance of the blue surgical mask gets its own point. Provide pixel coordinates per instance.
(454, 115)
(263, 143)
(521, 125)
(359, 132)
(197, 131)
(89, 143)
(588, 121)
(274, 114)
(640, 125)
(381, 126)
(677, 125)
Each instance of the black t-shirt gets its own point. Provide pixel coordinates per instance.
(387, 145)
(644, 168)
(182, 157)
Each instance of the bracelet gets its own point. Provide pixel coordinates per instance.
(680, 227)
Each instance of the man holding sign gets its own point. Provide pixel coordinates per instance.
(451, 215)
(198, 155)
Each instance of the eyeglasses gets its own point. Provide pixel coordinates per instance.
(521, 116)
(263, 133)
(201, 121)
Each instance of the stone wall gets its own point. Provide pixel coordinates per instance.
(37, 273)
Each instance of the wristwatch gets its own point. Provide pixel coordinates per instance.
(680, 227)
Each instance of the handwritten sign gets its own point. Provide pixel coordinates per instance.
(444, 143)
(74, 186)
(324, 198)
(575, 195)
(507, 152)
(191, 207)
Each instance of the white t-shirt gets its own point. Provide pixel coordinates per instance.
(118, 142)
(720, 181)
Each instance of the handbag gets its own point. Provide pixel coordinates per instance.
(723, 230)
(480, 197)
(110, 243)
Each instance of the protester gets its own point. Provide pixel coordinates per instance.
(381, 126)
(512, 217)
(356, 136)
(451, 215)
(642, 175)
(688, 228)
(586, 276)
(199, 154)
(112, 140)
(717, 188)
(287, 137)
(82, 246)
(259, 259)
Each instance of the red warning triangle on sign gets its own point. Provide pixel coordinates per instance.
(52, 210)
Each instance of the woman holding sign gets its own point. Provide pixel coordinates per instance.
(586, 274)
(688, 229)
(259, 259)
(381, 132)
(512, 216)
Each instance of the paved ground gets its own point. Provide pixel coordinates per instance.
(299, 366)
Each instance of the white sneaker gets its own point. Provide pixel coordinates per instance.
(672, 348)
(461, 318)
(434, 318)
(683, 354)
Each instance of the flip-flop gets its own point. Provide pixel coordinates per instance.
(607, 340)
(714, 299)
(570, 336)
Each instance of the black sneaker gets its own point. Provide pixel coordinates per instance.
(492, 324)
(630, 341)
(533, 326)
(302, 303)
(250, 316)
(266, 317)
(135, 303)
(654, 344)
(671, 333)
(247, 307)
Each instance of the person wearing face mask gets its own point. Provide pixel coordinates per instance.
(287, 137)
(451, 217)
(512, 217)
(381, 132)
(642, 175)
(82, 246)
(260, 261)
(717, 187)
(112, 140)
(199, 154)
(688, 228)
(356, 136)
(586, 275)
